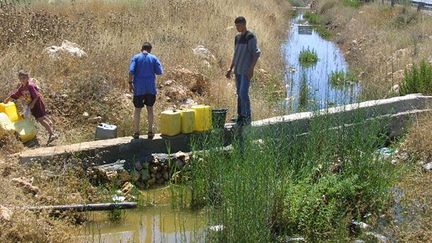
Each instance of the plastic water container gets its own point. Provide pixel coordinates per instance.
(106, 131)
(170, 122)
(10, 110)
(25, 129)
(5, 122)
(203, 117)
(187, 120)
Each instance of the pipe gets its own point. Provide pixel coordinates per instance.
(86, 207)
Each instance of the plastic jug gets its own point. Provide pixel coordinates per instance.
(10, 110)
(203, 117)
(106, 131)
(5, 124)
(170, 122)
(187, 120)
(25, 129)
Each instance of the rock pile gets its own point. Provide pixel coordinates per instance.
(155, 169)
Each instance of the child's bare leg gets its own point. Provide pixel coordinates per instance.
(46, 124)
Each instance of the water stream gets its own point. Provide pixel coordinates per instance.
(309, 88)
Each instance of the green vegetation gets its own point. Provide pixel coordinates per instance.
(352, 3)
(342, 78)
(318, 24)
(304, 94)
(288, 185)
(308, 57)
(313, 18)
(418, 79)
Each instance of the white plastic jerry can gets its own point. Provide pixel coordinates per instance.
(106, 131)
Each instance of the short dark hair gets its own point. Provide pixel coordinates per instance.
(23, 72)
(146, 47)
(240, 20)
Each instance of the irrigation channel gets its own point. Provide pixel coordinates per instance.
(309, 87)
(161, 223)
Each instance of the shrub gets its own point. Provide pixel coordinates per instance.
(418, 79)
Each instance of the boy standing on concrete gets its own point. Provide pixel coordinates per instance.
(246, 54)
(142, 83)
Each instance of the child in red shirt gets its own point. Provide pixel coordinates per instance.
(30, 92)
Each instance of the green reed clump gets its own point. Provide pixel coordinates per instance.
(308, 57)
(286, 184)
(418, 79)
(342, 78)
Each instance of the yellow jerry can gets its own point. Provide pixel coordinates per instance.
(187, 120)
(203, 117)
(25, 129)
(170, 122)
(10, 110)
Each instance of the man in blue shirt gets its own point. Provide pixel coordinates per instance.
(142, 82)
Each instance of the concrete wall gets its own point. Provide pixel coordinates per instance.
(396, 111)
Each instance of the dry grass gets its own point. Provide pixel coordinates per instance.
(53, 185)
(112, 31)
(416, 202)
(418, 141)
(379, 41)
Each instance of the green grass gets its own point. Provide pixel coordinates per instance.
(308, 57)
(318, 24)
(289, 185)
(342, 78)
(313, 19)
(352, 3)
(418, 79)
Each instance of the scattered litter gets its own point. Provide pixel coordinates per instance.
(361, 225)
(216, 228)
(385, 152)
(295, 239)
(379, 237)
(117, 198)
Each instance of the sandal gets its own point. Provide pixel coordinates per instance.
(150, 135)
(136, 135)
(51, 138)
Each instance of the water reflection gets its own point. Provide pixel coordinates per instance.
(310, 88)
(155, 224)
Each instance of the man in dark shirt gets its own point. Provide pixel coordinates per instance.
(246, 54)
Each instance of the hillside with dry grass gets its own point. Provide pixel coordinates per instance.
(83, 91)
(80, 92)
(379, 41)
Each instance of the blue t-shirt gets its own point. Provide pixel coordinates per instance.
(144, 67)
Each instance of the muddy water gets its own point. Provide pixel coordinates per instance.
(159, 223)
(313, 82)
